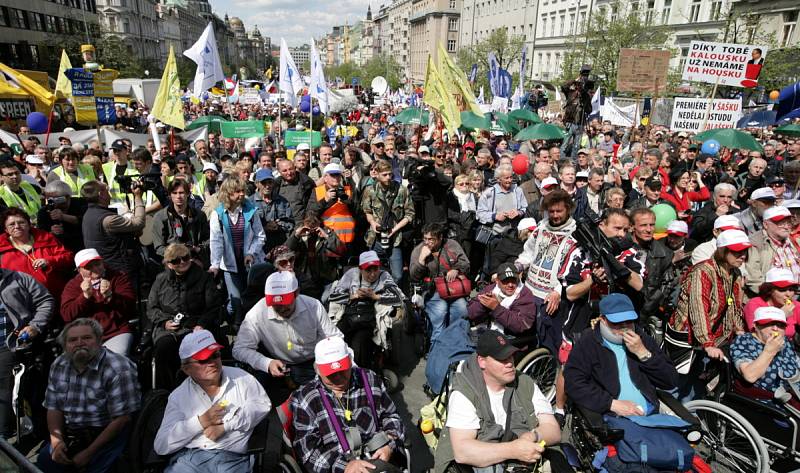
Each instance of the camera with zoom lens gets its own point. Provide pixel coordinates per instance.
(54, 202)
(146, 182)
(341, 194)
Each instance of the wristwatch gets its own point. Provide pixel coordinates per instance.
(645, 357)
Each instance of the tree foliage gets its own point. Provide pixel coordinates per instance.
(381, 65)
(507, 49)
(781, 68)
(617, 27)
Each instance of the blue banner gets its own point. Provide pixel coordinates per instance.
(501, 84)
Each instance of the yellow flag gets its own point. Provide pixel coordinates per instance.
(43, 98)
(456, 83)
(268, 73)
(429, 89)
(168, 106)
(63, 85)
(437, 96)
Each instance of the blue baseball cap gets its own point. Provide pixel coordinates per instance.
(618, 308)
(264, 174)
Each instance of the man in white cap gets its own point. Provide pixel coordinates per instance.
(34, 170)
(103, 294)
(363, 302)
(344, 420)
(333, 203)
(209, 418)
(705, 250)
(771, 248)
(760, 200)
(288, 326)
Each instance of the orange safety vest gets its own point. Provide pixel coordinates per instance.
(338, 217)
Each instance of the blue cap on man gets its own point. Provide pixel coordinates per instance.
(618, 308)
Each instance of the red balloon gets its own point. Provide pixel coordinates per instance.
(520, 164)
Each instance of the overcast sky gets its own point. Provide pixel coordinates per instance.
(295, 20)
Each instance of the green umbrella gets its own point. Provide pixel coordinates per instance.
(504, 123)
(212, 121)
(474, 121)
(788, 130)
(541, 131)
(527, 115)
(731, 139)
(413, 116)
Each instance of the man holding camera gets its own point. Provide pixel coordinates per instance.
(333, 204)
(577, 107)
(118, 165)
(61, 215)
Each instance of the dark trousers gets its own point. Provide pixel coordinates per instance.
(364, 350)
(165, 354)
(6, 387)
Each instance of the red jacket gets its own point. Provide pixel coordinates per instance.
(684, 202)
(45, 245)
(112, 315)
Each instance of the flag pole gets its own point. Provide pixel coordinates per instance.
(280, 123)
(49, 123)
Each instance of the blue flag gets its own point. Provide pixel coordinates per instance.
(473, 73)
(494, 74)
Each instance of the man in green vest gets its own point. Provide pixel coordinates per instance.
(71, 172)
(486, 389)
(117, 166)
(14, 192)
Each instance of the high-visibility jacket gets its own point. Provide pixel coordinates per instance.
(31, 204)
(110, 171)
(85, 174)
(338, 217)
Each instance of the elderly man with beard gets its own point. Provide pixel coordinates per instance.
(91, 397)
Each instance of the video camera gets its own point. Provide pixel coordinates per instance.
(146, 182)
(54, 202)
(589, 236)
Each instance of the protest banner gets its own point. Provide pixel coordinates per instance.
(642, 70)
(737, 65)
(93, 95)
(244, 129)
(250, 96)
(294, 138)
(619, 115)
(689, 114)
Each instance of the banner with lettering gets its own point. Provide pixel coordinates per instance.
(93, 95)
(689, 114)
(737, 65)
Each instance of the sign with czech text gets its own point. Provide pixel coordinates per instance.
(737, 65)
(642, 70)
(689, 114)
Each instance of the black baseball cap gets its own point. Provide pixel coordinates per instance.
(653, 183)
(118, 145)
(507, 271)
(495, 344)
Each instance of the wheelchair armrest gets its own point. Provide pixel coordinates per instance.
(677, 408)
(598, 426)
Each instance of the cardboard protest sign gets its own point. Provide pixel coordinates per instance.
(689, 114)
(642, 70)
(737, 65)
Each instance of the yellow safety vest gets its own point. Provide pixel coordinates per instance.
(31, 204)
(85, 174)
(110, 171)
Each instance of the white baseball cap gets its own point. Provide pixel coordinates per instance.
(727, 222)
(792, 203)
(526, 223)
(780, 277)
(331, 356)
(678, 227)
(280, 288)
(776, 214)
(769, 314)
(199, 345)
(302, 147)
(548, 181)
(582, 174)
(33, 159)
(763, 193)
(332, 168)
(423, 149)
(735, 240)
(210, 167)
(84, 257)
(367, 259)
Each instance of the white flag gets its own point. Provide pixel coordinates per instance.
(596, 103)
(318, 86)
(204, 53)
(480, 98)
(290, 80)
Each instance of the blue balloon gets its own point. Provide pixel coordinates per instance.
(37, 122)
(305, 99)
(305, 106)
(710, 147)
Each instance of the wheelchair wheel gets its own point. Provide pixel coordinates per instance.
(454, 467)
(140, 447)
(289, 464)
(730, 443)
(391, 380)
(543, 367)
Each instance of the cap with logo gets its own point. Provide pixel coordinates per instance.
(735, 240)
(33, 159)
(548, 181)
(118, 145)
(84, 257)
(332, 168)
(582, 175)
(678, 227)
(768, 314)
(727, 222)
(302, 147)
(763, 193)
(776, 214)
(331, 355)
(495, 344)
(280, 288)
(507, 271)
(199, 345)
(618, 308)
(780, 277)
(367, 259)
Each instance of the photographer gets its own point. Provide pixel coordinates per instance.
(150, 178)
(333, 204)
(578, 93)
(61, 215)
(429, 189)
(318, 251)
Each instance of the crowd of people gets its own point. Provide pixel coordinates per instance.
(296, 263)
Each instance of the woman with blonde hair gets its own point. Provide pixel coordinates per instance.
(237, 241)
(476, 182)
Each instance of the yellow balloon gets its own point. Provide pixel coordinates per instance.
(258, 87)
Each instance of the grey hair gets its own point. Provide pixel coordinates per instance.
(503, 168)
(82, 322)
(59, 188)
(723, 186)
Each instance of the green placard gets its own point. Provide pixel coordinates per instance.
(294, 138)
(244, 129)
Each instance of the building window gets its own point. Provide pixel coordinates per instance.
(572, 22)
(665, 12)
(684, 55)
(544, 27)
(21, 19)
(3, 20)
(452, 24)
(34, 53)
(561, 22)
(452, 4)
(12, 48)
(51, 24)
(716, 10)
(789, 24)
(451, 45)
(126, 28)
(694, 12)
(112, 23)
(583, 22)
(650, 12)
(552, 26)
(37, 23)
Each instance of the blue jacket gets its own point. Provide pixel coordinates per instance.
(222, 254)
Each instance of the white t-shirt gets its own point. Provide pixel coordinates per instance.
(461, 414)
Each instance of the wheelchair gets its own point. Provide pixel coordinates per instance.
(141, 458)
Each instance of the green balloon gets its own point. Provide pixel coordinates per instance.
(665, 213)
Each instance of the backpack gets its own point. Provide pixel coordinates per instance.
(656, 441)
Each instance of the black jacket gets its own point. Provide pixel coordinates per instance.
(507, 249)
(703, 222)
(658, 263)
(429, 189)
(592, 377)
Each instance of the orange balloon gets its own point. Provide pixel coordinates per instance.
(774, 95)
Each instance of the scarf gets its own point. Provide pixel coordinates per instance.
(505, 300)
(465, 201)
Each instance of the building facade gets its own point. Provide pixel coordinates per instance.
(432, 22)
(32, 31)
(135, 22)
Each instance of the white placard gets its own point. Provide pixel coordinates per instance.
(689, 114)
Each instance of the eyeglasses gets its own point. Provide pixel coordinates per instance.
(180, 259)
(211, 359)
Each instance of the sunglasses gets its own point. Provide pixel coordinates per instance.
(180, 259)
(211, 359)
